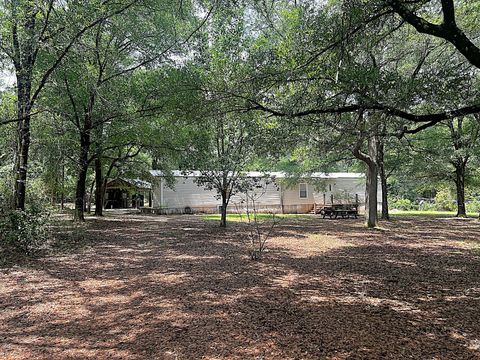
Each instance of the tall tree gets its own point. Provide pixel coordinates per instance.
(42, 32)
(446, 154)
(359, 67)
(99, 75)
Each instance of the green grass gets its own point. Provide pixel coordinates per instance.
(243, 217)
(427, 213)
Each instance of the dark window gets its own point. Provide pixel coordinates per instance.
(303, 191)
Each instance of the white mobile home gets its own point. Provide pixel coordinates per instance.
(279, 193)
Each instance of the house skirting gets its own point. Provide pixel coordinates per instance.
(277, 209)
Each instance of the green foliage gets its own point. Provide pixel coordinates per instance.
(25, 231)
(444, 200)
(474, 205)
(426, 206)
(155, 92)
(401, 204)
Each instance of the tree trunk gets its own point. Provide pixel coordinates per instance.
(371, 196)
(22, 162)
(88, 204)
(460, 185)
(372, 184)
(23, 61)
(383, 180)
(385, 209)
(98, 187)
(223, 219)
(370, 160)
(82, 176)
(80, 193)
(24, 85)
(62, 201)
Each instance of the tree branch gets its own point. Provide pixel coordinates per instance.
(448, 30)
(70, 44)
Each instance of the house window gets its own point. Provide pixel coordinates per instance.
(303, 191)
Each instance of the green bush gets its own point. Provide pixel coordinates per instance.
(427, 206)
(474, 205)
(445, 201)
(402, 204)
(25, 231)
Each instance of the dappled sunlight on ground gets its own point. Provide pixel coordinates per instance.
(179, 287)
(306, 246)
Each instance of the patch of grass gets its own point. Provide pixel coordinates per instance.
(243, 217)
(427, 213)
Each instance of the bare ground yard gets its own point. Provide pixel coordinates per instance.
(181, 288)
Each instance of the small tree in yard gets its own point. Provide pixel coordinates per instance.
(260, 228)
(225, 183)
(229, 145)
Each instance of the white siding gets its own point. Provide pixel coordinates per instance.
(187, 193)
(346, 189)
(268, 195)
(342, 189)
(291, 195)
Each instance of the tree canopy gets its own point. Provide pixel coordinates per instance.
(115, 88)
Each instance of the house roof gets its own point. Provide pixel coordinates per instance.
(276, 174)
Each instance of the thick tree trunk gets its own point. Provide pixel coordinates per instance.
(223, 219)
(371, 196)
(98, 187)
(371, 200)
(383, 180)
(460, 185)
(22, 162)
(82, 176)
(24, 85)
(23, 60)
(385, 209)
(80, 193)
(370, 160)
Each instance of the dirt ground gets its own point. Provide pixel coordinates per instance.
(156, 287)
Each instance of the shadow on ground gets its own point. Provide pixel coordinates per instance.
(181, 288)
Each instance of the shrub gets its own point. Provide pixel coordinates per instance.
(474, 205)
(401, 204)
(444, 200)
(259, 231)
(427, 206)
(25, 231)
